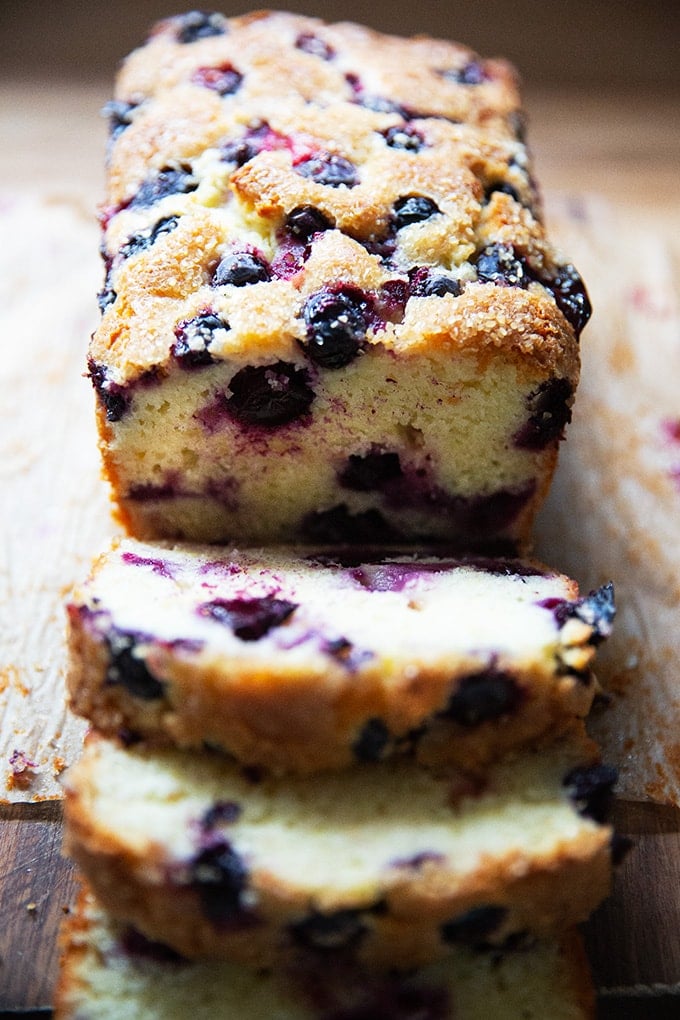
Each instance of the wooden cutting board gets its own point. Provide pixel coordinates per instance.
(55, 516)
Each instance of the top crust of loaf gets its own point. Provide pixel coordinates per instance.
(334, 91)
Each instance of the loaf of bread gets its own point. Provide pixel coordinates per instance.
(112, 972)
(330, 312)
(302, 659)
(388, 863)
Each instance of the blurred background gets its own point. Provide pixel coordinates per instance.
(631, 43)
(601, 82)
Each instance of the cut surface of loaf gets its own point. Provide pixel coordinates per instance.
(111, 972)
(301, 659)
(331, 312)
(389, 863)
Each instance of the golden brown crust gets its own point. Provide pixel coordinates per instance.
(542, 892)
(305, 713)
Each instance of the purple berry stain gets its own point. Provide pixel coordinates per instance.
(249, 618)
(224, 79)
(316, 47)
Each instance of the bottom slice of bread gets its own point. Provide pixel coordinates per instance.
(388, 863)
(111, 972)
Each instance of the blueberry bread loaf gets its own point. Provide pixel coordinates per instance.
(301, 660)
(390, 863)
(330, 312)
(110, 972)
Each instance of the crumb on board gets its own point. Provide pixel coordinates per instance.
(22, 770)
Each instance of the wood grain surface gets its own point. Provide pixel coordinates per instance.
(609, 174)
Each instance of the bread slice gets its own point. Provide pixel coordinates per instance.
(388, 862)
(303, 659)
(111, 972)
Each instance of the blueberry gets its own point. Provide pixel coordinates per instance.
(472, 73)
(119, 115)
(329, 169)
(127, 668)
(391, 299)
(306, 220)
(372, 741)
(269, 394)
(114, 397)
(259, 137)
(499, 264)
(504, 187)
(133, 943)
(571, 297)
(344, 652)
(338, 525)
(370, 472)
(312, 44)
(413, 209)
(240, 269)
(341, 929)
(473, 927)
(146, 238)
(598, 610)
(550, 413)
(336, 322)
(195, 25)
(225, 79)
(168, 181)
(239, 151)
(249, 618)
(371, 101)
(591, 787)
(220, 877)
(222, 812)
(404, 136)
(381, 104)
(193, 339)
(483, 696)
(418, 860)
(107, 294)
(427, 283)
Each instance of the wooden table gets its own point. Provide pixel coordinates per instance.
(622, 147)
